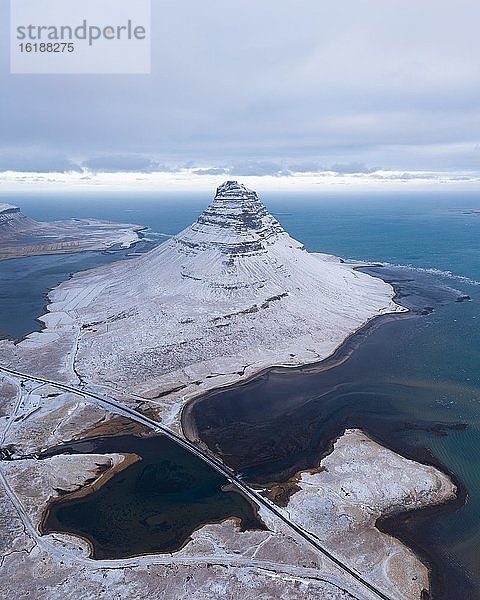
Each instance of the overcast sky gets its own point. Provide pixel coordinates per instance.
(262, 87)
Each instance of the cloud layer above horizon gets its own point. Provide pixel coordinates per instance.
(269, 88)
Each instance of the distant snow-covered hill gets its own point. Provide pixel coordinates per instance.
(12, 220)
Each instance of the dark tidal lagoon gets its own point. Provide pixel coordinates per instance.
(393, 380)
(152, 506)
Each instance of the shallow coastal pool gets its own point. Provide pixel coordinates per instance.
(152, 506)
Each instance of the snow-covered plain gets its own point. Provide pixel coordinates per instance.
(355, 485)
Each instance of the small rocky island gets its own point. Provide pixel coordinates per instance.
(22, 236)
(127, 345)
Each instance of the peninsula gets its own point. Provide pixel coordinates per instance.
(22, 236)
(127, 345)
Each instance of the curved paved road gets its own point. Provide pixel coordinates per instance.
(118, 408)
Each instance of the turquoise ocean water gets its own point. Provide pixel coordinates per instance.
(439, 358)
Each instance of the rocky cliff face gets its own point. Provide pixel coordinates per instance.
(12, 220)
(236, 223)
(233, 289)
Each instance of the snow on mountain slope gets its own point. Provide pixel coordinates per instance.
(230, 291)
(12, 220)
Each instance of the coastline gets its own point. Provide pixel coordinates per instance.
(392, 524)
(88, 241)
(341, 353)
(337, 357)
(362, 481)
(210, 340)
(119, 253)
(92, 487)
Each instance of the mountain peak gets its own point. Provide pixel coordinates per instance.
(236, 223)
(234, 249)
(233, 189)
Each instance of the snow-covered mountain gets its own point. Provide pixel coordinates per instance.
(232, 288)
(12, 220)
(234, 252)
